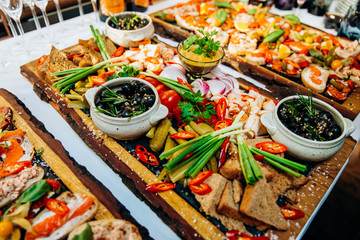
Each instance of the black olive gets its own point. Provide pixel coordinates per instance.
(145, 89)
(127, 112)
(148, 101)
(324, 114)
(135, 85)
(332, 132)
(137, 100)
(127, 88)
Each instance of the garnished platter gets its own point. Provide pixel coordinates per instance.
(143, 168)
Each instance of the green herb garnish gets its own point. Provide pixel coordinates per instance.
(203, 46)
(39, 152)
(125, 71)
(141, 110)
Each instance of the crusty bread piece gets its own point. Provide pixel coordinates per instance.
(229, 208)
(64, 230)
(16, 193)
(58, 61)
(259, 202)
(111, 48)
(231, 169)
(238, 191)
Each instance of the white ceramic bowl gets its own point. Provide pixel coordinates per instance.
(303, 148)
(130, 38)
(125, 128)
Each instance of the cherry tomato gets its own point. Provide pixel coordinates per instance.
(303, 63)
(97, 80)
(292, 214)
(41, 60)
(271, 147)
(56, 206)
(55, 185)
(148, 158)
(201, 177)
(318, 39)
(258, 157)
(170, 99)
(223, 151)
(71, 57)
(160, 187)
(222, 124)
(153, 81)
(336, 64)
(14, 168)
(200, 189)
(177, 113)
(221, 108)
(119, 51)
(160, 89)
(6, 228)
(183, 135)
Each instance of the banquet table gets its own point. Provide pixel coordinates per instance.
(15, 52)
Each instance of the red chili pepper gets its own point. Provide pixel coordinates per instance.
(55, 185)
(224, 147)
(236, 235)
(200, 189)
(181, 124)
(41, 60)
(183, 82)
(258, 157)
(96, 48)
(335, 93)
(221, 108)
(140, 149)
(71, 57)
(160, 187)
(148, 158)
(183, 135)
(170, 16)
(56, 206)
(271, 147)
(97, 80)
(232, 234)
(268, 57)
(201, 177)
(119, 51)
(351, 84)
(288, 41)
(324, 51)
(292, 214)
(222, 124)
(14, 168)
(245, 97)
(287, 33)
(106, 74)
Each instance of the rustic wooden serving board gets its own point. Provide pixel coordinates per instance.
(74, 176)
(182, 217)
(273, 81)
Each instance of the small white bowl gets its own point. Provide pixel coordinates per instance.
(130, 38)
(125, 128)
(302, 148)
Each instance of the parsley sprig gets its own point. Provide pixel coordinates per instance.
(203, 46)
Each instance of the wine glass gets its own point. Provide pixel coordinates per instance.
(299, 4)
(8, 20)
(42, 5)
(13, 8)
(81, 10)
(57, 5)
(31, 5)
(93, 2)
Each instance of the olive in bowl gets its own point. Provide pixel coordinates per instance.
(131, 28)
(308, 138)
(125, 108)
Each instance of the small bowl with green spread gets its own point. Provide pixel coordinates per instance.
(200, 55)
(127, 29)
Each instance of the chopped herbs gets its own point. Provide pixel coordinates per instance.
(128, 22)
(203, 46)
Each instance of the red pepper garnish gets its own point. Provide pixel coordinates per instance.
(222, 124)
(71, 57)
(271, 147)
(183, 135)
(181, 124)
(106, 74)
(56, 206)
(236, 235)
(148, 158)
(41, 60)
(223, 151)
(200, 189)
(170, 16)
(292, 63)
(268, 57)
(335, 93)
(298, 28)
(221, 108)
(258, 157)
(183, 82)
(97, 80)
(254, 89)
(160, 187)
(119, 51)
(351, 84)
(292, 214)
(201, 177)
(140, 149)
(55, 185)
(96, 48)
(14, 168)
(287, 33)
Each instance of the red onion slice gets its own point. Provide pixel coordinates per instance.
(200, 85)
(216, 87)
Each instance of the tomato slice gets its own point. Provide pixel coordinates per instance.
(41, 60)
(200, 189)
(271, 147)
(160, 187)
(221, 108)
(292, 214)
(183, 135)
(148, 158)
(56, 206)
(119, 51)
(106, 74)
(201, 177)
(14, 168)
(222, 124)
(258, 157)
(71, 57)
(55, 185)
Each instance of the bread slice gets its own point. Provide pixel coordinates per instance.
(58, 61)
(67, 197)
(10, 184)
(116, 228)
(259, 202)
(231, 168)
(238, 191)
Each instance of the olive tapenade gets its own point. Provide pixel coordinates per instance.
(128, 22)
(300, 117)
(125, 100)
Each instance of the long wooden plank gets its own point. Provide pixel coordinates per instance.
(75, 177)
(186, 221)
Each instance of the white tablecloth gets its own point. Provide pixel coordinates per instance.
(14, 53)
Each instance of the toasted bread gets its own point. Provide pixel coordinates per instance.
(58, 61)
(109, 229)
(231, 168)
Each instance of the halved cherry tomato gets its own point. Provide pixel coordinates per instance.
(258, 157)
(200, 189)
(222, 124)
(170, 99)
(292, 214)
(14, 168)
(225, 145)
(271, 147)
(71, 57)
(160, 187)
(318, 39)
(119, 51)
(55, 185)
(97, 80)
(183, 135)
(245, 97)
(56, 206)
(183, 82)
(221, 108)
(41, 60)
(148, 158)
(201, 177)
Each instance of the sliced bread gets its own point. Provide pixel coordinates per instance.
(231, 168)
(58, 61)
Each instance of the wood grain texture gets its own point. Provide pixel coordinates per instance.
(186, 221)
(74, 176)
(273, 81)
